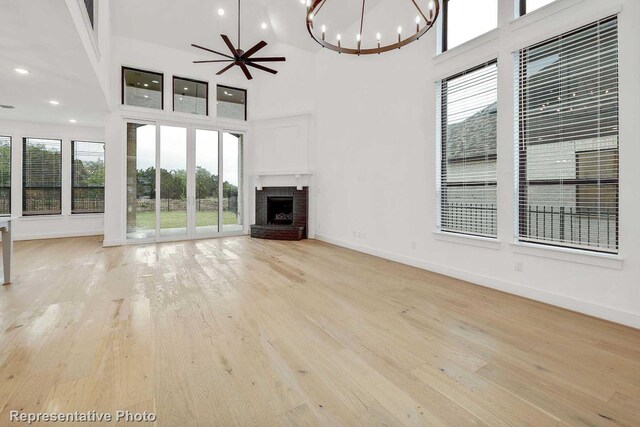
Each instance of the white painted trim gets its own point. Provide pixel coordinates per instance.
(286, 116)
(490, 36)
(577, 256)
(574, 25)
(58, 235)
(469, 240)
(584, 307)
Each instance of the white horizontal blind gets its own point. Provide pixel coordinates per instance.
(568, 139)
(87, 177)
(41, 177)
(5, 175)
(468, 132)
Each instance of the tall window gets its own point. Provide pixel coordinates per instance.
(190, 96)
(142, 88)
(5, 175)
(41, 177)
(464, 20)
(89, 5)
(87, 177)
(468, 129)
(568, 139)
(232, 102)
(527, 6)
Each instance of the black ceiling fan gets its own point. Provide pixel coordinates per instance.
(239, 57)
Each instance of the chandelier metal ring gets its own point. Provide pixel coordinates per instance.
(428, 19)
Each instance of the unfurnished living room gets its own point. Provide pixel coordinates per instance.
(320, 213)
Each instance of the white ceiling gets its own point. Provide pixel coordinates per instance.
(177, 24)
(40, 36)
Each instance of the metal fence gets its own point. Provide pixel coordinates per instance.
(567, 225)
(582, 227)
(472, 218)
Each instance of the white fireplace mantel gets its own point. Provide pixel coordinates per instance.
(294, 178)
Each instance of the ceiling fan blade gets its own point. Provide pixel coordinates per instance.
(213, 60)
(254, 49)
(269, 59)
(225, 69)
(245, 70)
(213, 51)
(260, 67)
(230, 45)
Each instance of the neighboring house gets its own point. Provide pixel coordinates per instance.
(570, 161)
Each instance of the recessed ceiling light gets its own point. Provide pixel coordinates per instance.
(155, 81)
(146, 96)
(263, 25)
(146, 85)
(54, 102)
(221, 12)
(21, 71)
(73, 121)
(186, 88)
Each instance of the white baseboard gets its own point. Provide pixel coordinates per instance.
(58, 235)
(602, 312)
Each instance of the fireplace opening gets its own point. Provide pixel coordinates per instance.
(280, 210)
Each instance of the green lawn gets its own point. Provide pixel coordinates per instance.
(177, 219)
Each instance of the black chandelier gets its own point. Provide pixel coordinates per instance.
(425, 19)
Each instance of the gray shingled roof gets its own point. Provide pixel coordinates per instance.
(476, 136)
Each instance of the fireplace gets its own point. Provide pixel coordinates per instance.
(281, 213)
(280, 210)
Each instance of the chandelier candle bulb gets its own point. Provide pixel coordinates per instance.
(417, 24)
(324, 32)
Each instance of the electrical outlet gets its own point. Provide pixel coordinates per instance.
(518, 266)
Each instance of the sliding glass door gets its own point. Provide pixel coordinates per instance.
(207, 182)
(183, 182)
(232, 175)
(173, 201)
(141, 182)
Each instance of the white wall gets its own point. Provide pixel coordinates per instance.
(65, 225)
(376, 164)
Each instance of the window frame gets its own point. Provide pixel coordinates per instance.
(10, 174)
(521, 159)
(73, 187)
(442, 158)
(246, 101)
(24, 178)
(123, 86)
(444, 33)
(187, 79)
(91, 15)
(522, 7)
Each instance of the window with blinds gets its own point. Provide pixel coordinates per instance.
(87, 177)
(41, 177)
(5, 175)
(568, 139)
(468, 132)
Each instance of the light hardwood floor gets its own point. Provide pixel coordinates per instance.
(249, 332)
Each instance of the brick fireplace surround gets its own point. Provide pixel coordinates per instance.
(267, 228)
